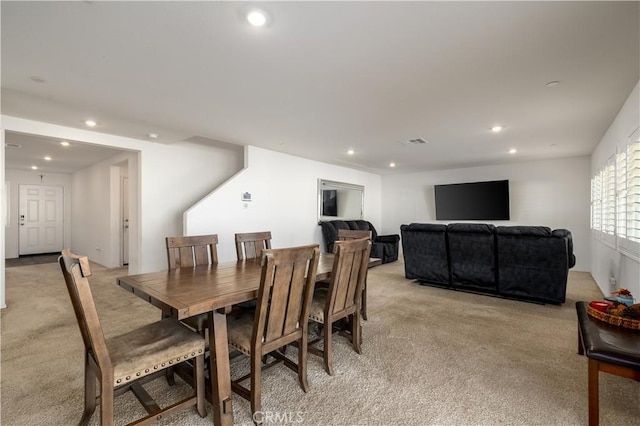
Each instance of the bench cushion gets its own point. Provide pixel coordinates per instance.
(608, 343)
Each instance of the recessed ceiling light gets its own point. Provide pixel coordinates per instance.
(257, 18)
(552, 83)
(392, 164)
(153, 135)
(351, 152)
(90, 123)
(47, 158)
(513, 151)
(64, 143)
(34, 167)
(496, 129)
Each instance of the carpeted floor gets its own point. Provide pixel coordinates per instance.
(430, 357)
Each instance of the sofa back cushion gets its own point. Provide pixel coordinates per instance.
(425, 253)
(533, 263)
(473, 256)
(330, 230)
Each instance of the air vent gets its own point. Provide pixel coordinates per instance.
(12, 145)
(416, 141)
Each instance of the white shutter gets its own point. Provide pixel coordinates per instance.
(621, 193)
(633, 192)
(596, 207)
(629, 196)
(609, 203)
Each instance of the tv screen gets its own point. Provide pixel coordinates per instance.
(329, 202)
(473, 201)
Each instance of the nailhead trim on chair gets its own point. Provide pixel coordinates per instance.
(139, 374)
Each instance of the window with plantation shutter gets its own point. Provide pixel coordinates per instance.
(628, 197)
(609, 202)
(621, 193)
(596, 202)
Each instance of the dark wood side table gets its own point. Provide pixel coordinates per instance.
(610, 349)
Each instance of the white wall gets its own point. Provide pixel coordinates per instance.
(284, 193)
(171, 178)
(553, 193)
(607, 261)
(95, 205)
(23, 177)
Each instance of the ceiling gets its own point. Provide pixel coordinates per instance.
(325, 77)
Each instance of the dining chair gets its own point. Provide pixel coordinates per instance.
(354, 234)
(123, 363)
(249, 245)
(343, 297)
(188, 252)
(185, 252)
(281, 317)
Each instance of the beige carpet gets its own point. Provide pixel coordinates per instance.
(430, 357)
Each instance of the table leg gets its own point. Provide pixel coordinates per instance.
(219, 370)
(594, 411)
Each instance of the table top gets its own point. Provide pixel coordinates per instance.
(188, 292)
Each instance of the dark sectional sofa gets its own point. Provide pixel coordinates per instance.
(520, 262)
(384, 247)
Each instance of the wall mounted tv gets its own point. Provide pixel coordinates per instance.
(473, 201)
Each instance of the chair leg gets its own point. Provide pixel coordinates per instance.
(364, 301)
(199, 385)
(328, 350)
(302, 362)
(256, 388)
(106, 402)
(89, 391)
(169, 375)
(356, 337)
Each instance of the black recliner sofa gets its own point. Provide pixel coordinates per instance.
(520, 262)
(384, 247)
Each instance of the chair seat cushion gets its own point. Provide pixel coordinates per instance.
(151, 348)
(316, 311)
(239, 331)
(198, 323)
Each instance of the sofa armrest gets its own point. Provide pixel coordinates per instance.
(394, 238)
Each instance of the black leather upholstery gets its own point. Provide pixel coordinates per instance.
(532, 263)
(473, 256)
(608, 343)
(521, 262)
(425, 253)
(384, 247)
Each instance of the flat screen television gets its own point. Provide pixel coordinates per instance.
(473, 201)
(329, 202)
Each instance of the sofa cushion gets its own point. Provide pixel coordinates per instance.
(383, 247)
(532, 264)
(472, 255)
(530, 231)
(476, 228)
(425, 253)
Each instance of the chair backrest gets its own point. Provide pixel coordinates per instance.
(250, 245)
(286, 289)
(352, 234)
(76, 270)
(185, 252)
(347, 277)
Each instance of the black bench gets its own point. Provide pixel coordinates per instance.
(610, 349)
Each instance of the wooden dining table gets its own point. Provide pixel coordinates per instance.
(211, 289)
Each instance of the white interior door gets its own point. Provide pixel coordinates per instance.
(41, 219)
(124, 202)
